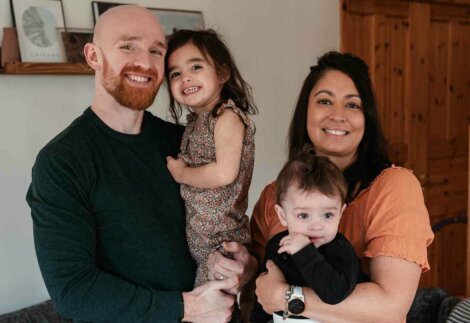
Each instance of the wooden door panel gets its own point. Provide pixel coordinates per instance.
(438, 89)
(378, 61)
(418, 53)
(453, 235)
(396, 29)
(457, 120)
(442, 148)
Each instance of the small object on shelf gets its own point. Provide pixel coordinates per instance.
(74, 42)
(10, 48)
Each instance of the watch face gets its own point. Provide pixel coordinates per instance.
(296, 306)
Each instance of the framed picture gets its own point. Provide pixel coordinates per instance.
(74, 40)
(170, 19)
(37, 23)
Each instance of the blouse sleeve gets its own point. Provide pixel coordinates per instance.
(396, 218)
(264, 222)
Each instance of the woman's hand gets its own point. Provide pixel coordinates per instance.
(243, 265)
(271, 289)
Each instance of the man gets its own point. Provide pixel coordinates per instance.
(109, 224)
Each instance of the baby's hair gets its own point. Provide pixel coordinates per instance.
(213, 49)
(310, 173)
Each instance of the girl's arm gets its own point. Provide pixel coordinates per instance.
(229, 133)
(386, 298)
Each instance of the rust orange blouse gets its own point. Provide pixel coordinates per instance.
(388, 218)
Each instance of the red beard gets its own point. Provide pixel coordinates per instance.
(134, 98)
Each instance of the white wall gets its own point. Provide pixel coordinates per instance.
(273, 41)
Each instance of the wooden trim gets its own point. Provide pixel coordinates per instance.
(394, 8)
(468, 229)
(343, 24)
(417, 87)
(450, 13)
(446, 2)
(48, 68)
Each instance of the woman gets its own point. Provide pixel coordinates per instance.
(385, 220)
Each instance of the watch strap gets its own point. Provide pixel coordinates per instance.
(287, 296)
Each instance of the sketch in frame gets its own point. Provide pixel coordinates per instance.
(37, 23)
(74, 40)
(170, 19)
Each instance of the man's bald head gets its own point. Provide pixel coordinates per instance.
(127, 55)
(122, 15)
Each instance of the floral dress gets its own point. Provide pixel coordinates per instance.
(215, 215)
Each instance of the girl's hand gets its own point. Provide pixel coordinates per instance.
(176, 168)
(293, 242)
(271, 289)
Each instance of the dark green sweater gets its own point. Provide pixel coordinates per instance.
(109, 222)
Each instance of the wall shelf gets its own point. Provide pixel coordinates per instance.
(47, 69)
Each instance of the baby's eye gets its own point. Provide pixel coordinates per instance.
(303, 216)
(328, 215)
(174, 75)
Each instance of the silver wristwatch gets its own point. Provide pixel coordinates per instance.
(295, 303)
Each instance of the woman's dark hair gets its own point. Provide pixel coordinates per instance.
(371, 157)
(212, 46)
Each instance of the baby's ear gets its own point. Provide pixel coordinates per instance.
(281, 214)
(342, 209)
(224, 74)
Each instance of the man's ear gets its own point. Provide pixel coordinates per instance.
(281, 214)
(91, 55)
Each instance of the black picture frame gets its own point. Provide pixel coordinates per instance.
(171, 19)
(37, 23)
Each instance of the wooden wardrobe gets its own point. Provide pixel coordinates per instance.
(418, 53)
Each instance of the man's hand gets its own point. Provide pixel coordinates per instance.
(208, 303)
(271, 289)
(243, 265)
(176, 168)
(292, 243)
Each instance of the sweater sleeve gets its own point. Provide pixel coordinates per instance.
(333, 275)
(65, 237)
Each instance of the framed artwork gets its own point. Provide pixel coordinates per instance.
(37, 23)
(74, 40)
(170, 19)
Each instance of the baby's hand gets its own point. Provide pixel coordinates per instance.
(292, 243)
(176, 168)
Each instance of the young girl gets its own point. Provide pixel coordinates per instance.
(217, 151)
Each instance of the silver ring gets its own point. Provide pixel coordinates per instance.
(221, 277)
